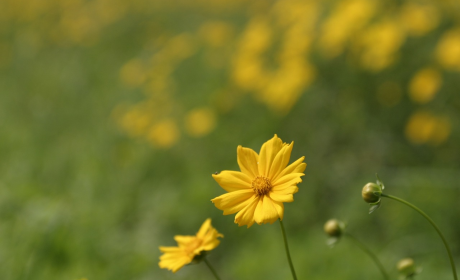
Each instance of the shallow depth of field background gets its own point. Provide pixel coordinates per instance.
(114, 114)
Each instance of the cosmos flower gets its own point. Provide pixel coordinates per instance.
(190, 247)
(266, 181)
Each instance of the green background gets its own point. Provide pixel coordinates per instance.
(79, 197)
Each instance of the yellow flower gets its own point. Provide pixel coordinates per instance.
(424, 85)
(257, 192)
(174, 258)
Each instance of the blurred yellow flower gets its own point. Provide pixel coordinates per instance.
(257, 192)
(135, 121)
(257, 36)
(448, 50)
(248, 71)
(286, 85)
(174, 258)
(164, 133)
(348, 17)
(424, 127)
(419, 19)
(200, 122)
(378, 44)
(424, 85)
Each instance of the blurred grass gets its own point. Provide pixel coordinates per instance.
(83, 194)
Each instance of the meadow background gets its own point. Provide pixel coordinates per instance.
(114, 114)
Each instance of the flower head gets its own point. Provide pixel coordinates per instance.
(190, 247)
(266, 181)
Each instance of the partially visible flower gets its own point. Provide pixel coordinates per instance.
(190, 247)
(424, 85)
(266, 181)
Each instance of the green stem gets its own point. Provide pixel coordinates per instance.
(370, 254)
(433, 224)
(211, 268)
(287, 251)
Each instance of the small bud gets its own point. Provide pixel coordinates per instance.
(334, 228)
(406, 267)
(371, 193)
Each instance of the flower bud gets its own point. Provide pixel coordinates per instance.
(334, 228)
(406, 267)
(371, 193)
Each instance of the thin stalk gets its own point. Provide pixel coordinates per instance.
(211, 268)
(287, 251)
(370, 254)
(433, 224)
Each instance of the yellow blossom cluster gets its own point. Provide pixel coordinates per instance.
(346, 19)
(62, 22)
(276, 76)
(423, 126)
(159, 118)
(270, 56)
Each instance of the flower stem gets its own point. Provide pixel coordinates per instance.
(211, 268)
(287, 251)
(433, 224)
(370, 254)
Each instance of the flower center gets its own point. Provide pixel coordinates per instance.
(261, 185)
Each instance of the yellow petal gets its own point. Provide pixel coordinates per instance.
(173, 260)
(210, 241)
(297, 166)
(247, 160)
(246, 215)
(208, 238)
(279, 207)
(174, 264)
(280, 161)
(233, 202)
(205, 227)
(267, 154)
(169, 249)
(233, 180)
(173, 255)
(184, 240)
(208, 246)
(265, 211)
(287, 180)
(285, 195)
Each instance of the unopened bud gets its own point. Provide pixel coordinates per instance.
(406, 267)
(334, 228)
(371, 193)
